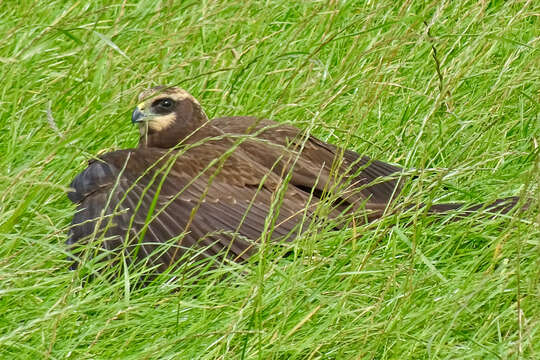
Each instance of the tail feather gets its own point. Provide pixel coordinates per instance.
(499, 206)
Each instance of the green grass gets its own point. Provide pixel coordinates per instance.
(362, 75)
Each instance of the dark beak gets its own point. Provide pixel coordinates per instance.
(137, 116)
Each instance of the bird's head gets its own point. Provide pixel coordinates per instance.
(167, 115)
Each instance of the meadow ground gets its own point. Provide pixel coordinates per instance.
(450, 88)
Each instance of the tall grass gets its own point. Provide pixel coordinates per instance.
(449, 88)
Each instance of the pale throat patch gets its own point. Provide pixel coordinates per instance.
(161, 122)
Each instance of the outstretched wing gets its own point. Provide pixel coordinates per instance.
(162, 209)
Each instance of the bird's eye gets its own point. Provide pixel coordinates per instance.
(165, 103)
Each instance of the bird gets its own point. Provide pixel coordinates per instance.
(196, 189)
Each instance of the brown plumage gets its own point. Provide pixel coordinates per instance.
(208, 209)
(214, 188)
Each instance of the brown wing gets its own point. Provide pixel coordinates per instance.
(279, 146)
(163, 208)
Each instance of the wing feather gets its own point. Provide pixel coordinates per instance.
(276, 146)
(116, 195)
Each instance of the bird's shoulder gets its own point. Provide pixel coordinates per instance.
(196, 165)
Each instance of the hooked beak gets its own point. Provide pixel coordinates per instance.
(137, 116)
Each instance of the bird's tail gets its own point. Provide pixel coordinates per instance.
(499, 206)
